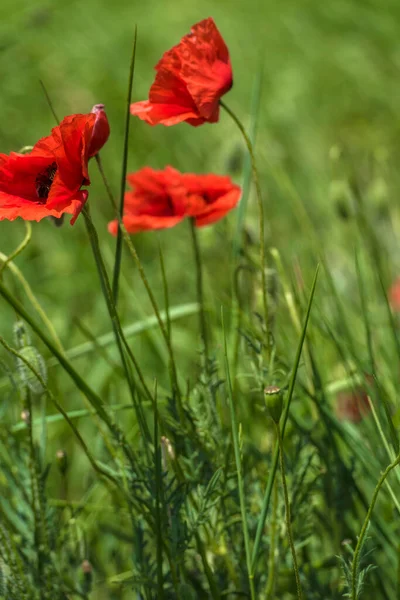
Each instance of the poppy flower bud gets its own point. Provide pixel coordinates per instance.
(274, 402)
(29, 376)
(62, 461)
(167, 450)
(25, 416)
(101, 130)
(87, 572)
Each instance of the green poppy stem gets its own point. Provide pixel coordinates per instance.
(256, 180)
(287, 512)
(200, 293)
(356, 556)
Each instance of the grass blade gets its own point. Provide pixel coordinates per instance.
(118, 249)
(274, 466)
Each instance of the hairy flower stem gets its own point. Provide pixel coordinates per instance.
(360, 541)
(287, 512)
(261, 216)
(200, 293)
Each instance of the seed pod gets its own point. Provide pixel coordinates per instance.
(62, 461)
(87, 576)
(274, 402)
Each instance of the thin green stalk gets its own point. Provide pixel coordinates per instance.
(28, 291)
(274, 465)
(40, 533)
(269, 591)
(105, 181)
(81, 384)
(398, 573)
(166, 291)
(200, 294)
(49, 102)
(132, 250)
(118, 249)
(236, 448)
(135, 256)
(119, 336)
(261, 215)
(215, 595)
(65, 415)
(388, 450)
(20, 247)
(360, 541)
(158, 506)
(287, 512)
(247, 168)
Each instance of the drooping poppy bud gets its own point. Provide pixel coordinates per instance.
(100, 131)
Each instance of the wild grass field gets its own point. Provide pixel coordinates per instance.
(176, 489)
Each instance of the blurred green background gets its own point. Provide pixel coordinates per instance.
(329, 111)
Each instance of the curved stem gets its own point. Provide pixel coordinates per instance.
(33, 300)
(260, 210)
(200, 293)
(356, 557)
(20, 248)
(287, 513)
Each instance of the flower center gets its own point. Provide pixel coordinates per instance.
(44, 180)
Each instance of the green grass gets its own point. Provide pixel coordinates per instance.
(158, 526)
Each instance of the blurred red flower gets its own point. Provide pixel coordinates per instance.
(352, 406)
(158, 200)
(47, 180)
(210, 197)
(190, 80)
(161, 199)
(394, 295)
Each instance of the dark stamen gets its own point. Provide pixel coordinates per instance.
(44, 180)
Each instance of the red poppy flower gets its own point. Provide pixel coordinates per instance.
(47, 180)
(158, 201)
(210, 197)
(190, 80)
(394, 296)
(162, 199)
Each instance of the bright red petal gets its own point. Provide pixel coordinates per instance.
(190, 80)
